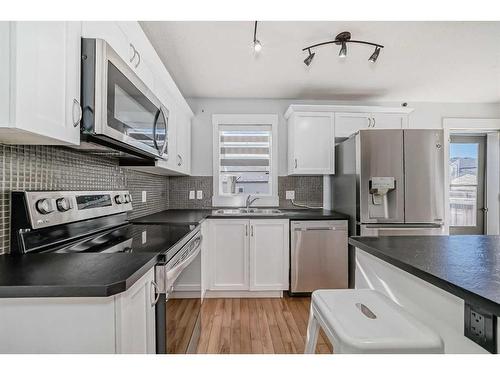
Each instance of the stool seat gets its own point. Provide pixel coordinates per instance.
(367, 321)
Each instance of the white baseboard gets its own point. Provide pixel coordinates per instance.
(244, 294)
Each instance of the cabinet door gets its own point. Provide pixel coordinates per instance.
(347, 124)
(47, 79)
(135, 317)
(113, 34)
(183, 144)
(269, 255)
(229, 254)
(312, 142)
(389, 121)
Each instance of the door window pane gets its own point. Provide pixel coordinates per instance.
(463, 206)
(463, 167)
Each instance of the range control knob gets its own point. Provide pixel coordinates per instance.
(44, 206)
(119, 199)
(128, 198)
(63, 204)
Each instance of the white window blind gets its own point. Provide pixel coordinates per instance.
(245, 154)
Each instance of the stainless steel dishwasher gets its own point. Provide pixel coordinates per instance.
(319, 256)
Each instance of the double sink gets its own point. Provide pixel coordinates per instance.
(248, 212)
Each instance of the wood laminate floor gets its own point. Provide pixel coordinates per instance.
(256, 326)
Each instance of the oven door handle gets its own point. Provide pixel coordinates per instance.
(174, 273)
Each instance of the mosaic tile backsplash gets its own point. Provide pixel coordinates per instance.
(59, 168)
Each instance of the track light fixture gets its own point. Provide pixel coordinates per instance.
(309, 58)
(342, 39)
(256, 44)
(373, 58)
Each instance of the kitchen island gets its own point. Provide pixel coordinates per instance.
(435, 278)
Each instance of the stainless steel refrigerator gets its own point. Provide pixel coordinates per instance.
(391, 182)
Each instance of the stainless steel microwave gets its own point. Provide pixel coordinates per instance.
(119, 111)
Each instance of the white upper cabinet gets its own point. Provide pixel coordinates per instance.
(311, 143)
(312, 130)
(40, 97)
(349, 123)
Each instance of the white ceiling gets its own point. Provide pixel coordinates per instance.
(421, 61)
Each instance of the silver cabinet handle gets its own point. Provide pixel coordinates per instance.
(246, 230)
(369, 122)
(134, 52)
(295, 163)
(179, 158)
(373, 118)
(139, 60)
(251, 230)
(156, 293)
(76, 104)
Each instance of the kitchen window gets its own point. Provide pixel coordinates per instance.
(245, 159)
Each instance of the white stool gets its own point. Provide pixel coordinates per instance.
(366, 321)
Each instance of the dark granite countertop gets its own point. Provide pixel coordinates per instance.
(71, 275)
(90, 274)
(182, 217)
(466, 266)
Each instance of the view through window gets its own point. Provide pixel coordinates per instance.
(466, 181)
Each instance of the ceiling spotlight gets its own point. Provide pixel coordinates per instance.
(309, 58)
(343, 50)
(342, 40)
(256, 44)
(374, 55)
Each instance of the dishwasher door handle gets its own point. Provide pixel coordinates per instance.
(319, 228)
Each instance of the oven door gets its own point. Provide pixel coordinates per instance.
(118, 105)
(179, 312)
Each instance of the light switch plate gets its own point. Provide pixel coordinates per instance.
(144, 196)
(199, 194)
(290, 194)
(191, 194)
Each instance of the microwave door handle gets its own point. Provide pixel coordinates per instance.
(155, 124)
(165, 140)
(174, 273)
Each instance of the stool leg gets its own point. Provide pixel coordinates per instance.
(312, 334)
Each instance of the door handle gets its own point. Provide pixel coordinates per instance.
(369, 122)
(295, 163)
(156, 293)
(139, 59)
(76, 104)
(246, 230)
(179, 160)
(251, 230)
(374, 122)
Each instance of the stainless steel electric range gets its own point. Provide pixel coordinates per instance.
(70, 222)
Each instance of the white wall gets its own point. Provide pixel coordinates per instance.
(426, 115)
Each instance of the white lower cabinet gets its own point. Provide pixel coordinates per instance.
(269, 240)
(248, 255)
(123, 323)
(135, 317)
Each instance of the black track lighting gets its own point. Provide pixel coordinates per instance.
(373, 58)
(343, 39)
(309, 58)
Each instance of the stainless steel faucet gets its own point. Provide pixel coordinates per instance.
(250, 201)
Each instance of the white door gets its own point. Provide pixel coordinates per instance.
(135, 317)
(229, 254)
(47, 79)
(312, 143)
(347, 124)
(389, 121)
(269, 254)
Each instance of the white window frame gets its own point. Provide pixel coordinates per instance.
(239, 200)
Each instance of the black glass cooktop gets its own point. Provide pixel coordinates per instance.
(128, 238)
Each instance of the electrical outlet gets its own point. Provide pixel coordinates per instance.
(191, 194)
(144, 196)
(199, 194)
(290, 194)
(479, 326)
